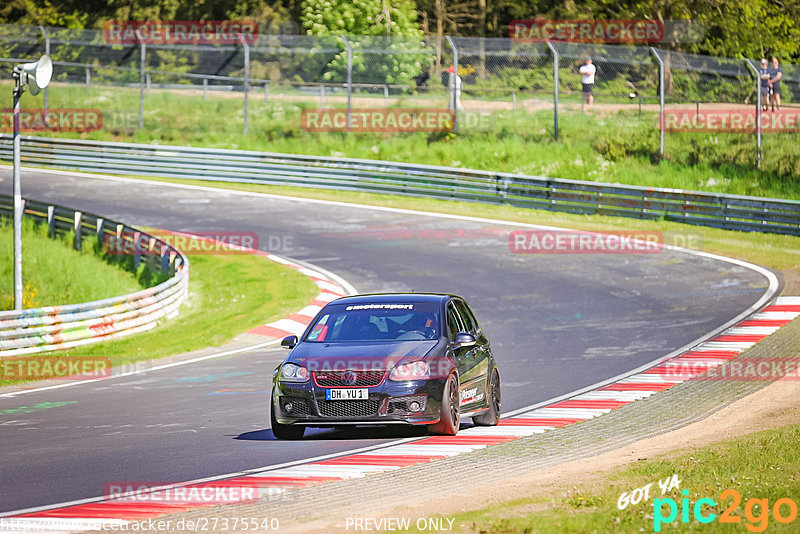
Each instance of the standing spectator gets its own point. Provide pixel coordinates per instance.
(776, 73)
(587, 70)
(765, 92)
(454, 88)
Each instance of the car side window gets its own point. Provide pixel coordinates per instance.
(453, 321)
(468, 320)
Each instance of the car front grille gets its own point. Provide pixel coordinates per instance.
(348, 408)
(299, 406)
(330, 379)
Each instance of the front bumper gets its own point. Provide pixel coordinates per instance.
(388, 403)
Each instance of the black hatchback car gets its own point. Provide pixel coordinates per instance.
(417, 359)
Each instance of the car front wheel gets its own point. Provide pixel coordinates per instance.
(450, 418)
(281, 431)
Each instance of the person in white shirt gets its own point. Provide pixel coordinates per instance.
(587, 71)
(454, 88)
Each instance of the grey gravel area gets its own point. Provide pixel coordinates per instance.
(671, 409)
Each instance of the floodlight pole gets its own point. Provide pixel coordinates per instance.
(17, 197)
(46, 89)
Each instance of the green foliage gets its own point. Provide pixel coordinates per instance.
(401, 59)
(54, 273)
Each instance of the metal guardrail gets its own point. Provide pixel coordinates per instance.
(60, 327)
(733, 212)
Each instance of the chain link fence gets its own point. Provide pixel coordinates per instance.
(490, 83)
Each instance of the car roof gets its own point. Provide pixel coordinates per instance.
(394, 298)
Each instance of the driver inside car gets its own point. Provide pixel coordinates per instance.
(424, 324)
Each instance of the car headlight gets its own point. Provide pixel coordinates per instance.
(411, 371)
(291, 372)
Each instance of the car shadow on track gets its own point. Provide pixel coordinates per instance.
(342, 434)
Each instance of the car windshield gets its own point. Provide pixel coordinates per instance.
(376, 322)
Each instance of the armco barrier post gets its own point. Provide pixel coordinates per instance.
(164, 258)
(758, 112)
(661, 120)
(555, 89)
(51, 221)
(137, 258)
(76, 226)
(349, 78)
(246, 76)
(100, 224)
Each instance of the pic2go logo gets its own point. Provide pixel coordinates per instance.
(756, 511)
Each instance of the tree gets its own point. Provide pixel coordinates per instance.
(364, 21)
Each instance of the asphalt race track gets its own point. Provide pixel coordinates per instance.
(557, 323)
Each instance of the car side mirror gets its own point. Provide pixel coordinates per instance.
(463, 340)
(289, 342)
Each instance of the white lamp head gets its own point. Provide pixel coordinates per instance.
(36, 76)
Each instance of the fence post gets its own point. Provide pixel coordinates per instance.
(454, 95)
(322, 95)
(46, 89)
(142, 62)
(137, 257)
(660, 97)
(76, 225)
(88, 78)
(205, 88)
(246, 76)
(164, 258)
(349, 78)
(100, 231)
(758, 112)
(266, 91)
(51, 221)
(555, 89)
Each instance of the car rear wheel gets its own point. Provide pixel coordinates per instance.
(450, 418)
(491, 416)
(282, 431)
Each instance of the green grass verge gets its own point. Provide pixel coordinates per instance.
(602, 145)
(763, 465)
(770, 250)
(228, 295)
(54, 273)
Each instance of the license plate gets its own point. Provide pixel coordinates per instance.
(347, 394)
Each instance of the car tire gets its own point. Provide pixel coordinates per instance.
(450, 418)
(281, 431)
(491, 416)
